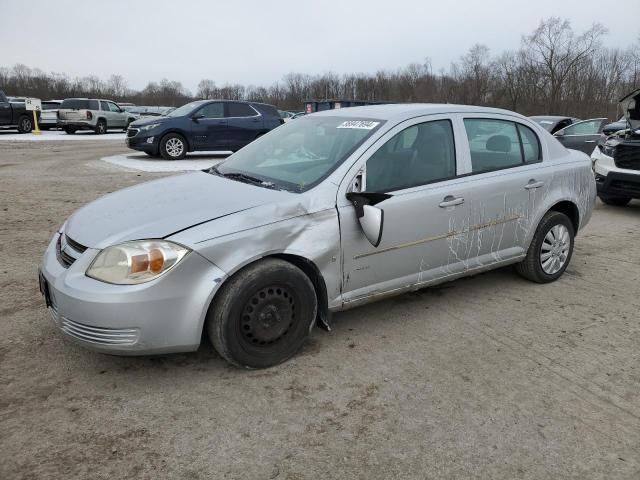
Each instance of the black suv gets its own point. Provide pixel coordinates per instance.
(202, 125)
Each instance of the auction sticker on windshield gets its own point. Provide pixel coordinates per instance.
(361, 124)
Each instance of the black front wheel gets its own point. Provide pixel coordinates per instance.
(69, 130)
(173, 146)
(263, 314)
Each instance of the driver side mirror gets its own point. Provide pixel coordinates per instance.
(197, 117)
(371, 218)
(559, 133)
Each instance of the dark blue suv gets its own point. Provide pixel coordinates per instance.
(202, 125)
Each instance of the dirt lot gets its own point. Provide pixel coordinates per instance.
(487, 377)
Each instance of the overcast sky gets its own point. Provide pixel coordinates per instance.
(258, 41)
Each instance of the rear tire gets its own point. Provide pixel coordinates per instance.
(615, 201)
(173, 146)
(25, 124)
(263, 314)
(101, 127)
(551, 249)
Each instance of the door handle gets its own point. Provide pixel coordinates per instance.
(589, 141)
(533, 184)
(451, 201)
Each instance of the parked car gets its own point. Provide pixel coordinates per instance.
(616, 161)
(286, 116)
(336, 209)
(583, 135)
(14, 114)
(553, 123)
(92, 114)
(613, 127)
(49, 115)
(202, 125)
(142, 111)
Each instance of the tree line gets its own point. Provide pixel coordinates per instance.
(555, 70)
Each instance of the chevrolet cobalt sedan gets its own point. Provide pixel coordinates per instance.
(334, 210)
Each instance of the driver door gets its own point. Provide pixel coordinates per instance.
(424, 232)
(210, 130)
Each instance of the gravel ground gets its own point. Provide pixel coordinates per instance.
(486, 377)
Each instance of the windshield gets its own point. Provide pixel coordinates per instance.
(184, 110)
(298, 155)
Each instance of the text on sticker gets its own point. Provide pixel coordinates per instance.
(362, 124)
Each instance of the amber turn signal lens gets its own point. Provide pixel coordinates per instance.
(139, 263)
(156, 260)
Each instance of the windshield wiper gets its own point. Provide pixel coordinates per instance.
(243, 177)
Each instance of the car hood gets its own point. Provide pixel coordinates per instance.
(163, 207)
(148, 121)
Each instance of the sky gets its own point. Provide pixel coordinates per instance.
(257, 42)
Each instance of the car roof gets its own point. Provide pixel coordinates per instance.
(404, 111)
(555, 118)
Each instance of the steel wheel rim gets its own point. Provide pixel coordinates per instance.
(102, 128)
(26, 124)
(174, 147)
(554, 250)
(268, 316)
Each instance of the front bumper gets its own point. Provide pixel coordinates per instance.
(612, 180)
(161, 316)
(142, 141)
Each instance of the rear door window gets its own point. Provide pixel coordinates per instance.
(240, 110)
(493, 144)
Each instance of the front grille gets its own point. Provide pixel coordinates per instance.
(627, 156)
(99, 335)
(68, 250)
(132, 132)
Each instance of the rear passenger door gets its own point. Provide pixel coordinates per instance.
(504, 175)
(244, 124)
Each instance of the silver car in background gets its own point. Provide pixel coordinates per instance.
(333, 210)
(92, 114)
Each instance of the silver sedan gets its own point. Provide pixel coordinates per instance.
(334, 210)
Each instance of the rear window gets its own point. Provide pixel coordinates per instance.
(50, 105)
(79, 104)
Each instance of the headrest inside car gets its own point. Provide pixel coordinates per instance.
(499, 143)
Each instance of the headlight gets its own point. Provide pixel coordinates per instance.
(608, 150)
(149, 127)
(136, 262)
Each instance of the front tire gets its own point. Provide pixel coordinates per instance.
(69, 130)
(550, 250)
(615, 201)
(25, 124)
(263, 314)
(173, 146)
